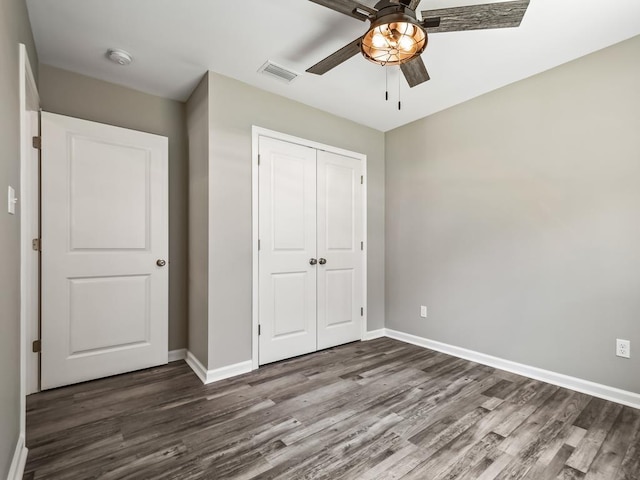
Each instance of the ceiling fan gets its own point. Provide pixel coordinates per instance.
(397, 37)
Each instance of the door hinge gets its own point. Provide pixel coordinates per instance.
(258, 244)
(36, 142)
(259, 329)
(362, 246)
(258, 159)
(36, 346)
(36, 244)
(362, 311)
(361, 179)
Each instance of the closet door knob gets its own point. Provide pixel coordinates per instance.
(313, 261)
(161, 263)
(322, 261)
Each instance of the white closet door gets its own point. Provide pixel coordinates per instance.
(287, 226)
(340, 213)
(104, 241)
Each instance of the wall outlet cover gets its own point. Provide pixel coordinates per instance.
(623, 348)
(423, 311)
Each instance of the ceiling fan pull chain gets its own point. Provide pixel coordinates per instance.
(386, 84)
(399, 82)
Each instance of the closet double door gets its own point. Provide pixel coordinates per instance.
(310, 252)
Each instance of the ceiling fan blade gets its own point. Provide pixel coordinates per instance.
(415, 72)
(348, 7)
(336, 58)
(477, 17)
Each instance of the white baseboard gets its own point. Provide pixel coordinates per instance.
(16, 470)
(577, 384)
(210, 376)
(175, 355)
(373, 334)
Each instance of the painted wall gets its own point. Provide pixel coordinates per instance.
(234, 108)
(198, 131)
(75, 95)
(14, 29)
(515, 218)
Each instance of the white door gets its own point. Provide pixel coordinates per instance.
(310, 259)
(287, 225)
(104, 250)
(339, 249)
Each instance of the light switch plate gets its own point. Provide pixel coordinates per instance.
(11, 200)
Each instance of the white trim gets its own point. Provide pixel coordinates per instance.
(365, 250)
(29, 101)
(256, 133)
(175, 355)
(210, 376)
(196, 366)
(16, 470)
(265, 132)
(605, 392)
(373, 334)
(255, 233)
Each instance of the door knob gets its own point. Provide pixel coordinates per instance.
(322, 261)
(161, 263)
(313, 261)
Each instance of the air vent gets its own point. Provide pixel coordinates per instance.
(277, 71)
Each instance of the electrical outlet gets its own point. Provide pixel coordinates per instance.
(423, 311)
(623, 348)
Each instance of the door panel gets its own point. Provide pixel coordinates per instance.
(287, 226)
(339, 206)
(289, 305)
(108, 313)
(109, 196)
(339, 286)
(104, 225)
(339, 235)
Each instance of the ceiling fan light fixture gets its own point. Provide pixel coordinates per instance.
(393, 39)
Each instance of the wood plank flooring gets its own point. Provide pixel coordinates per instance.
(368, 411)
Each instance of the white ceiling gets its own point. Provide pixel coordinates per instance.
(174, 42)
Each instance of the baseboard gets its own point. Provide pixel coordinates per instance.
(577, 384)
(175, 355)
(16, 470)
(210, 376)
(373, 334)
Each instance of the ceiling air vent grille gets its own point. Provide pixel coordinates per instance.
(277, 71)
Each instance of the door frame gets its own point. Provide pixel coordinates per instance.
(256, 133)
(29, 323)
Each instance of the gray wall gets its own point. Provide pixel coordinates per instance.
(75, 95)
(198, 131)
(14, 29)
(235, 107)
(515, 218)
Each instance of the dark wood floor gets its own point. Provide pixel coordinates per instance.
(375, 410)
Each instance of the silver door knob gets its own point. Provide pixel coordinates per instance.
(161, 263)
(322, 261)
(313, 261)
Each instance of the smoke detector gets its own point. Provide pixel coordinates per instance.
(119, 56)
